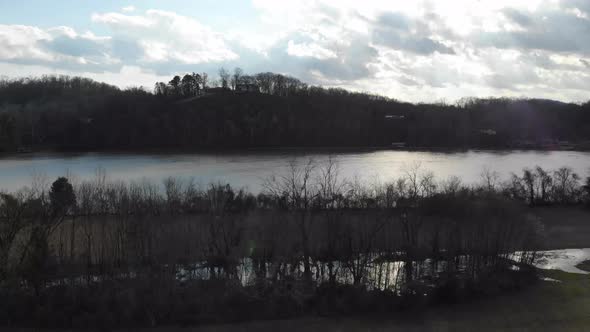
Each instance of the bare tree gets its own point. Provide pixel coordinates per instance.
(565, 182)
(204, 80)
(236, 78)
(545, 182)
(412, 177)
(12, 221)
(224, 77)
(490, 179)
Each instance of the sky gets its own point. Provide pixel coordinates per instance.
(411, 50)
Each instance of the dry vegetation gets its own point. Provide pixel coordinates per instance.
(129, 254)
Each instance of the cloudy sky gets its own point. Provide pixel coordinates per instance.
(418, 50)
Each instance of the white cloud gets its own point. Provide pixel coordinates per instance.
(126, 76)
(500, 47)
(413, 50)
(60, 46)
(118, 20)
(309, 50)
(168, 37)
(19, 42)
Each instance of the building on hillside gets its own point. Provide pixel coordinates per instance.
(247, 88)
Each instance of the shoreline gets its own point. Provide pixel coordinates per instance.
(297, 149)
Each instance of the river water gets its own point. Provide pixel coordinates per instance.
(249, 168)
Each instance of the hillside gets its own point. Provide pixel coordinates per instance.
(80, 114)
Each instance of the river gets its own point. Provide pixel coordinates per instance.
(249, 168)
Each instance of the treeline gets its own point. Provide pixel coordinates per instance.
(105, 254)
(191, 85)
(24, 90)
(238, 110)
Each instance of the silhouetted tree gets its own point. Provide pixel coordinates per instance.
(188, 85)
(161, 89)
(75, 113)
(175, 85)
(204, 80)
(236, 78)
(62, 197)
(224, 78)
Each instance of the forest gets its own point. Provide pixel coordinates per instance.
(107, 254)
(267, 110)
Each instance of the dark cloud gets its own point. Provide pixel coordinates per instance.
(394, 30)
(350, 64)
(518, 17)
(528, 40)
(511, 78)
(78, 47)
(555, 31)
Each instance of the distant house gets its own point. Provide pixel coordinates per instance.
(216, 90)
(247, 88)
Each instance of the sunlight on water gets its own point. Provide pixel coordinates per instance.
(564, 260)
(248, 169)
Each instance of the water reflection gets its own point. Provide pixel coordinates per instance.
(248, 168)
(564, 260)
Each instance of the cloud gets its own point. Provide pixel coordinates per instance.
(418, 50)
(168, 37)
(61, 47)
(19, 42)
(554, 30)
(581, 5)
(398, 31)
(517, 17)
(310, 50)
(122, 21)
